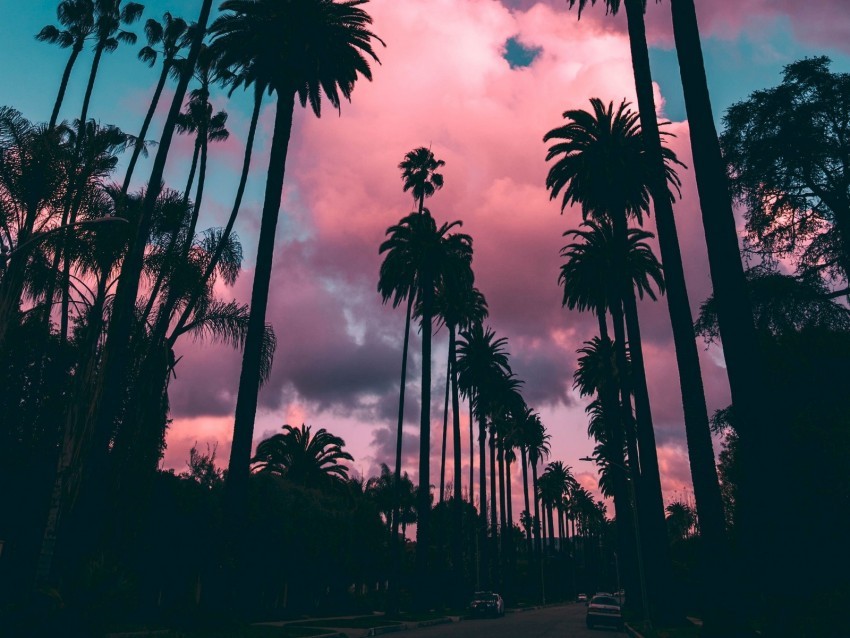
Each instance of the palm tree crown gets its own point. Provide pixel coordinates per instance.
(419, 174)
(309, 460)
(308, 47)
(601, 161)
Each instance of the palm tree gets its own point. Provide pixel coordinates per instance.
(312, 461)
(398, 281)
(419, 174)
(537, 443)
(107, 375)
(481, 362)
(522, 432)
(298, 49)
(428, 255)
(77, 16)
(208, 127)
(32, 184)
(459, 305)
(109, 16)
(170, 36)
(681, 520)
(606, 165)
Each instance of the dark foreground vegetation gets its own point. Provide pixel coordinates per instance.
(101, 282)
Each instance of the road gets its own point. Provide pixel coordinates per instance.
(565, 621)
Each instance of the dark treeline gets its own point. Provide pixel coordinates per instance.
(104, 273)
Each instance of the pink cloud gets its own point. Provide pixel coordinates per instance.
(443, 83)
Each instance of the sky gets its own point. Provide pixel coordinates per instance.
(479, 82)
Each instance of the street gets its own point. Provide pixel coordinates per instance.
(566, 621)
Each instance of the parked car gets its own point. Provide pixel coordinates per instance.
(604, 610)
(582, 598)
(487, 603)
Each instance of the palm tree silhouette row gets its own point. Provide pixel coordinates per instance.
(298, 50)
(398, 281)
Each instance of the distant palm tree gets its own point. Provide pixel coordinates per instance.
(417, 246)
(169, 36)
(297, 48)
(312, 461)
(681, 520)
(398, 281)
(482, 361)
(537, 444)
(77, 16)
(420, 176)
(458, 305)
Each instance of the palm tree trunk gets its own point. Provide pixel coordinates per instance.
(395, 547)
(690, 379)
(193, 168)
(63, 85)
(744, 364)
(457, 511)
(249, 378)
(503, 518)
(484, 565)
(98, 54)
(494, 512)
(525, 496)
(445, 430)
(624, 515)
(140, 142)
(424, 497)
(471, 454)
(231, 221)
(537, 540)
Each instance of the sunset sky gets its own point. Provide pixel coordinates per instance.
(480, 82)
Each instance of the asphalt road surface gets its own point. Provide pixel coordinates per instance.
(566, 621)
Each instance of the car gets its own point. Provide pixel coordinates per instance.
(582, 598)
(604, 609)
(487, 603)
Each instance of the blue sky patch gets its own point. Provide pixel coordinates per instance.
(519, 55)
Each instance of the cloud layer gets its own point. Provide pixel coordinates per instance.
(444, 83)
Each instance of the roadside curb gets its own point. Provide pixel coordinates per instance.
(377, 631)
(634, 633)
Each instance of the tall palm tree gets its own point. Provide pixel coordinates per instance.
(744, 361)
(298, 49)
(605, 165)
(399, 283)
(235, 81)
(459, 305)
(109, 17)
(428, 254)
(169, 36)
(77, 16)
(312, 460)
(481, 362)
(537, 443)
(419, 173)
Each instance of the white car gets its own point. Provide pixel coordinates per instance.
(486, 603)
(604, 609)
(582, 598)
